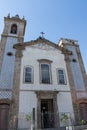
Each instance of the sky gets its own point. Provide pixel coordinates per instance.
(56, 18)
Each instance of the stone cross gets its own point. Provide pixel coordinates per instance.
(42, 33)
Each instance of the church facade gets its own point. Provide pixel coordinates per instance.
(42, 84)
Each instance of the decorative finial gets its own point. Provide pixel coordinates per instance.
(23, 17)
(8, 15)
(42, 33)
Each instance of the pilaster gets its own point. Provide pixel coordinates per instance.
(82, 67)
(2, 48)
(16, 85)
(72, 86)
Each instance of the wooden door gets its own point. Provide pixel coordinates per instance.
(4, 113)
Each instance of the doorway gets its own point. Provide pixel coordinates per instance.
(83, 111)
(47, 113)
(4, 114)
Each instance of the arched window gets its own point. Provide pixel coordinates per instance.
(14, 29)
(28, 74)
(61, 76)
(45, 71)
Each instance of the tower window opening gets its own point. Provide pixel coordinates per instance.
(14, 29)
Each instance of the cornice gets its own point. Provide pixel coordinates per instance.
(41, 40)
(15, 19)
(64, 41)
(19, 46)
(8, 35)
(44, 60)
(66, 51)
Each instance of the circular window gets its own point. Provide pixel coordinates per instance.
(9, 53)
(74, 60)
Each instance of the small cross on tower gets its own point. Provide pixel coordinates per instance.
(42, 33)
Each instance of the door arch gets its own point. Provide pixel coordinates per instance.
(4, 116)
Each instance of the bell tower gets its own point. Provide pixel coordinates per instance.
(13, 33)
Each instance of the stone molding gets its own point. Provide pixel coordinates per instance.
(83, 100)
(46, 95)
(14, 19)
(44, 61)
(12, 35)
(19, 46)
(6, 101)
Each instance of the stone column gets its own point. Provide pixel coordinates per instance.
(16, 85)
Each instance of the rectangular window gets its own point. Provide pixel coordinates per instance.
(45, 73)
(61, 76)
(28, 78)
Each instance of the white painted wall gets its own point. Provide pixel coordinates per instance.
(30, 57)
(28, 99)
(64, 102)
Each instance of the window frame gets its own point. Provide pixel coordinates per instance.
(50, 73)
(32, 75)
(64, 74)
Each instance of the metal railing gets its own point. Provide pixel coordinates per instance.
(59, 121)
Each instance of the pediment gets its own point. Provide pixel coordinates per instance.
(42, 43)
(43, 46)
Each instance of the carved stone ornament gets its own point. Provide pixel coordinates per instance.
(43, 46)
